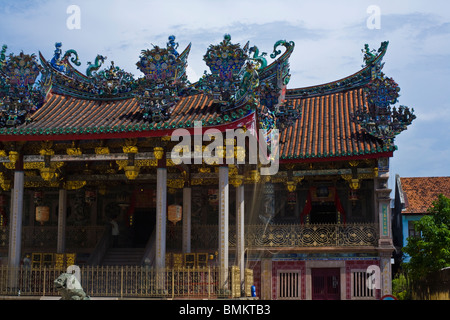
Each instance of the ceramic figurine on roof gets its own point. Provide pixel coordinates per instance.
(164, 79)
(370, 56)
(19, 97)
(62, 77)
(259, 58)
(172, 46)
(93, 67)
(377, 118)
(239, 79)
(2, 55)
(225, 62)
(112, 81)
(274, 80)
(61, 63)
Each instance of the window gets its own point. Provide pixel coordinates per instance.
(411, 230)
(288, 284)
(360, 289)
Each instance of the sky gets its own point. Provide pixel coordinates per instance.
(328, 36)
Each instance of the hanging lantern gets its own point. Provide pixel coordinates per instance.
(90, 196)
(291, 198)
(353, 195)
(38, 196)
(42, 214)
(174, 213)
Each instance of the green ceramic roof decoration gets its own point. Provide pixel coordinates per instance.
(165, 78)
(377, 118)
(20, 94)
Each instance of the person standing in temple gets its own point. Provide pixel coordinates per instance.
(115, 232)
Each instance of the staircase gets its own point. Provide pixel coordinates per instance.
(123, 257)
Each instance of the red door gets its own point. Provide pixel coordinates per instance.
(325, 284)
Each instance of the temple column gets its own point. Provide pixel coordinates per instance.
(15, 235)
(386, 273)
(62, 209)
(240, 245)
(186, 246)
(161, 217)
(383, 209)
(223, 226)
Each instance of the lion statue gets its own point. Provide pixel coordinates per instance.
(69, 287)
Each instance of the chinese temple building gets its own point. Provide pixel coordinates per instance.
(236, 169)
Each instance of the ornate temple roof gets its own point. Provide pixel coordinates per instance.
(337, 119)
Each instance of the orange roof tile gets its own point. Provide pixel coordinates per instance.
(420, 192)
(324, 130)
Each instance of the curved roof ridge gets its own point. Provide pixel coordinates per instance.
(357, 79)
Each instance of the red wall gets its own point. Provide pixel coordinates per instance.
(300, 265)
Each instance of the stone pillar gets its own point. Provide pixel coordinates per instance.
(15, 232)
(223, 226)
(386, 273)
(240, 236)
(62, 212)
(266, 280)
(161, 217)
(186, 246)
(15, 235)
(383, 209)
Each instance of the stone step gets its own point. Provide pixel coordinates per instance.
(123, 256)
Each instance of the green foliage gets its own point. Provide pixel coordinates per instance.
(401, 287)
(431, 251)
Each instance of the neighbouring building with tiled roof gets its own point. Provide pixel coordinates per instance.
(248, 185)
(413, 197)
